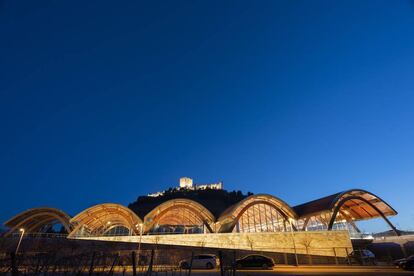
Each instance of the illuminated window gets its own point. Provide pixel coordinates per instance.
(261, 218)
(179, 220)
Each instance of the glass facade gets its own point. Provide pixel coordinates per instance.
(179, 221)
(261, 218)
(117, 231)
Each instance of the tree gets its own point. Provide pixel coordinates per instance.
(306, 242)
(250, 242)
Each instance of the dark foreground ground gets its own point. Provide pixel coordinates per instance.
(279, 270)
(288, 270)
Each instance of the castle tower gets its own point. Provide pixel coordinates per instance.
(186, 182)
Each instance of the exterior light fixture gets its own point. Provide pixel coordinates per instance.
(140, 239)
(20, 240)
(291, 221)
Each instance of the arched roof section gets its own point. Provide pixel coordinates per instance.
(198, 210)
(358, 204)
(229, 217)
(100, 218)
(357, 209)
(37, 219)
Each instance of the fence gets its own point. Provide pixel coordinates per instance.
(161, 261)
(149, 262)
(47, 256)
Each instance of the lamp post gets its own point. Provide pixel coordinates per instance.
(106, 230)
(20, 240)
(293, 241)
(140, 239)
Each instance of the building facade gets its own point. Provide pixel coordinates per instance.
(255, 214)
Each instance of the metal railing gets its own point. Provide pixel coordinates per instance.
(39, 235)
(148, 262)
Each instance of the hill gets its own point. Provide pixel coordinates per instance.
(216, 201)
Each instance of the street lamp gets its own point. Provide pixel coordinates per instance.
(20, 240)
(140, 239)
(106, 231)
(293, 240)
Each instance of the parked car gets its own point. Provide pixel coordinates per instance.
(405, 263)
(362, 256)
(208, 261)
(255, 261)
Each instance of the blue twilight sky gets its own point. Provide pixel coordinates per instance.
(102, 101)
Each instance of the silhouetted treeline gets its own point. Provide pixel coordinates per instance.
(216, 201)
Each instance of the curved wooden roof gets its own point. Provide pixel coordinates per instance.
(198, 210)
(100, 218)
(354, 204)
(357, 209)
(36, 219)
(230, 216)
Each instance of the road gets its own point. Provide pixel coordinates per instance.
(313, 271)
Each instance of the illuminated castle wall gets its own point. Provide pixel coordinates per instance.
(188, 183)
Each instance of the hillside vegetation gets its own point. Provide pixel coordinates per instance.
(216, 201)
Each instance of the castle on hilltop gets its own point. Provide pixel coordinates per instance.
(186, 183)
